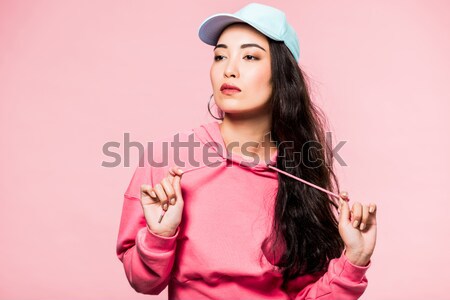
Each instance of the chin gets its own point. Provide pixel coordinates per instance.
(237, 111)
(229, 103)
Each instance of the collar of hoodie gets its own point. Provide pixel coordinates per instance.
(209, 133)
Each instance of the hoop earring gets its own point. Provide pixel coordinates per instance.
(209, 109)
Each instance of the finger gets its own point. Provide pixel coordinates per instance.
(152, 193)
(147, 190)
(344, 195)
(372, 219)
(169, 190)
(345, 212)
(174, 171)
(161, 195)
(179, 171)
(356, 214)
(171, 174)
(365, 216)
(177, 188)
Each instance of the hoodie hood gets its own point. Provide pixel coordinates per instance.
(209, 134)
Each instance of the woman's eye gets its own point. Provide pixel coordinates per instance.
(251, 57)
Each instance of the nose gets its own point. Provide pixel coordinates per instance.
(231, 69)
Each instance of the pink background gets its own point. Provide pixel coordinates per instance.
(77, 74)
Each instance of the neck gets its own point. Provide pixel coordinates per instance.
(250, 135)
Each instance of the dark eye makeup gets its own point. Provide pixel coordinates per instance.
(248, 56)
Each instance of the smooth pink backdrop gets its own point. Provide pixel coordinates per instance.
(77, 74)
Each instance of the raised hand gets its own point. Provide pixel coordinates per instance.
(358, 229)
(163, 195)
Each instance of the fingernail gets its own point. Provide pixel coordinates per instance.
(362, 226)
(371, 209)
(165, 206)
(153, 194)
(172, 201)
(355, 223)
(180, 171)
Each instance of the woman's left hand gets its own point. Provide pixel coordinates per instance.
(358, 229)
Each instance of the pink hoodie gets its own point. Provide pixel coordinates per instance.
(216, 252)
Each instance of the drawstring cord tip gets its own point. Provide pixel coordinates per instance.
(161, 216)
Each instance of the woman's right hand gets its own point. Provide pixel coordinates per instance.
(159, 196)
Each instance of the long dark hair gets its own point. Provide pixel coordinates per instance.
(304, 222)
(303, 215)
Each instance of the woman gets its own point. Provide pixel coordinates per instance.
(235, 227)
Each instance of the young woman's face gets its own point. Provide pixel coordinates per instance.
(242, 59)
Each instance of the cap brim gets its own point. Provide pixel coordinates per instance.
(210, 30)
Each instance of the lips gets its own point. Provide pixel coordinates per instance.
(229, 87)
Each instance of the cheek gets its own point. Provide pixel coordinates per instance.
(214, 75)
(261, 75)
(260, 79)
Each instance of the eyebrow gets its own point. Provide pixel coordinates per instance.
(242, 46)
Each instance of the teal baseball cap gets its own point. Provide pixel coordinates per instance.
(268, 20)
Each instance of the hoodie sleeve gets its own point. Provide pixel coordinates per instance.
(147, 258)
(343, 280)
